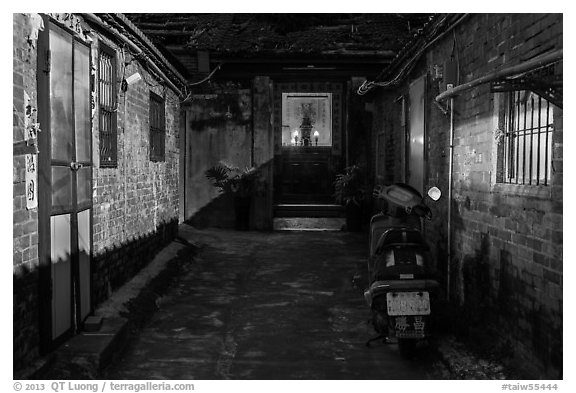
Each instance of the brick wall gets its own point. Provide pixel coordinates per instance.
(25, 222)
(135, 204)
(506, 268)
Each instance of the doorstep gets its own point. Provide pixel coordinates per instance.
(309, 223)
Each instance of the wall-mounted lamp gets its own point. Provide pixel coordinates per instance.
(133, 78)
(130, 80)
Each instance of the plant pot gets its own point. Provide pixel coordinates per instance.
(353, 217)
(242, 212)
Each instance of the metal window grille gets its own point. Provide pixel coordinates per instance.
(157, 128)
(107, 105)
(528, 139)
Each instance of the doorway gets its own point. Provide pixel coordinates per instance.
(65, 183)
(308, 142)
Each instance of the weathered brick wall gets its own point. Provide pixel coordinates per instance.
(25, 222)
(135, 204)
(506, 265)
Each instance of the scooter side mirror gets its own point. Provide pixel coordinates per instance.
(434, 193)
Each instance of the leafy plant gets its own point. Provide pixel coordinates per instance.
(229, 178)
(349, 186)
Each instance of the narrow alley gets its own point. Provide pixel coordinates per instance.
(280, 305)
(166, 166)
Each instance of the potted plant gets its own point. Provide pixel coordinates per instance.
(240, 183)
(350, 191)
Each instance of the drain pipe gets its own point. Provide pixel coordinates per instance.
(450, 171)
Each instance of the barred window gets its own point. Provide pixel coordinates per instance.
(527, 148)
(107, 105)
(157, 128)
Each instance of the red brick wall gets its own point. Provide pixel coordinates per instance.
(507, 240)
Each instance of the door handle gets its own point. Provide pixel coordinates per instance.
(75, 166)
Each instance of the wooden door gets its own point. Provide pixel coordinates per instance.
(65, 164)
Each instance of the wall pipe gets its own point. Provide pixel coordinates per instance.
(139, 52)
(450, 172)
(127, 24)
(530, 65)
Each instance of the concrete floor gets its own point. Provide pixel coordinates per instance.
(280, 305)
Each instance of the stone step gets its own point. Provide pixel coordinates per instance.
(308, 210)
(331, 224)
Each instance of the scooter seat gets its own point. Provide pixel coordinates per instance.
(400, 237)
(380, 223)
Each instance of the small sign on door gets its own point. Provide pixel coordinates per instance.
(31, 181)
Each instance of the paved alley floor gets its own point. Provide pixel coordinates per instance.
(279, 305)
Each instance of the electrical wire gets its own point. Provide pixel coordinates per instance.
(208, 77)
(410, 64)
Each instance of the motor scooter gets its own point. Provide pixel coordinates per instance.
(401, 282)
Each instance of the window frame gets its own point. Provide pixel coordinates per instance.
(520, 143)
(501, 119)
(157, 128)
(111, 109)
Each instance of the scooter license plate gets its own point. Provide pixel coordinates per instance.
(410, 326)
(408, 303)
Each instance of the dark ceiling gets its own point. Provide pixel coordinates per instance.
(253, 43)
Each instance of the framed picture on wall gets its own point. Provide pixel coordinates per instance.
(307, 119)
